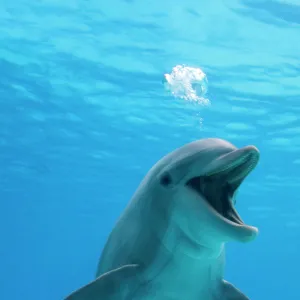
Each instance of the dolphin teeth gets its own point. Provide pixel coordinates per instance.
(238, 169)
(218, 187)
(228, 167)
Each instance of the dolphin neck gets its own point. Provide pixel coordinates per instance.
(195, 274)
(181, 244)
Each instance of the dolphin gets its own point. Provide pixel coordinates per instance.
(169, 243)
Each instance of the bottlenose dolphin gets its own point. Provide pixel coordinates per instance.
(169, 243)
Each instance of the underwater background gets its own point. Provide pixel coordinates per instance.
(93, 93)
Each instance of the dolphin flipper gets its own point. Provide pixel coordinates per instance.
(107, 286)
(232, 293)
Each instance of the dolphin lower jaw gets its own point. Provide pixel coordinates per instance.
(219, 228)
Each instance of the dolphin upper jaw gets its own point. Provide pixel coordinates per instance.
(247, 155)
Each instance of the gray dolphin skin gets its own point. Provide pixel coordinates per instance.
(169, 243)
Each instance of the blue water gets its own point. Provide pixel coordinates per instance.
(84, 114)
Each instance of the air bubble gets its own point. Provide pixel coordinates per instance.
(187, 83)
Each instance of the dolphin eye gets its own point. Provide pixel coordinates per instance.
(166, 180)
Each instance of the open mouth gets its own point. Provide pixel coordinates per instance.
(219, 187)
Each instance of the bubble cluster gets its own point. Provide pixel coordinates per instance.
(187, 83)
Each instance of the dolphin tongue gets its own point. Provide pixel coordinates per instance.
(219, 194)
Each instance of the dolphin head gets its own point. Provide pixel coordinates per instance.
(200, 181)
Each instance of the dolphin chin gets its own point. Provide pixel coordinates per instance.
(219, 185)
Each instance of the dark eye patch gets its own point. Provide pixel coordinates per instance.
(166, 180)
